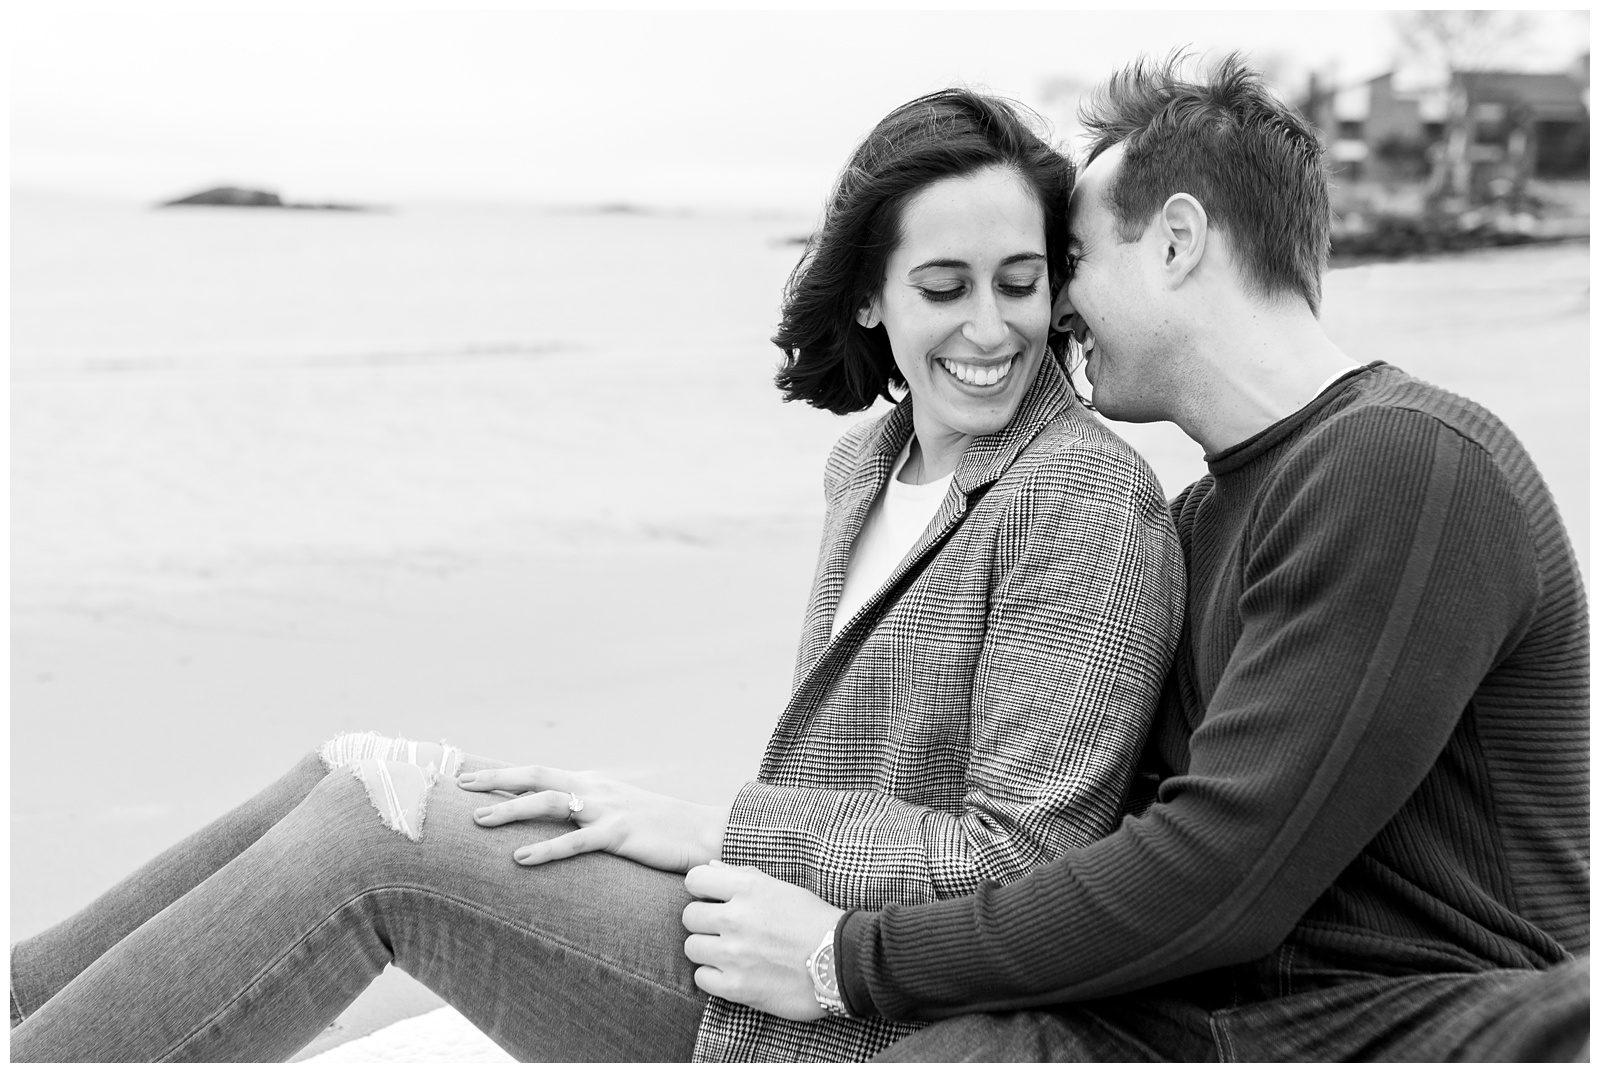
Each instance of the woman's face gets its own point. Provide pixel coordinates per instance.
(966, 302)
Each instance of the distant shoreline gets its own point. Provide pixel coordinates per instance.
(1338, 259)
(236, 197)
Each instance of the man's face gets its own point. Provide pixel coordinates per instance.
(1115, 301)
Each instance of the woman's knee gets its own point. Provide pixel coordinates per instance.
(397, 774)
(348, 748)
(473, 762)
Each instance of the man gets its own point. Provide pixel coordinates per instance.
(1371, 827)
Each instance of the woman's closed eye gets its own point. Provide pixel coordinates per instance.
(1009, 288)
(943, 294)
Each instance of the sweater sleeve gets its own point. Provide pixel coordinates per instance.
(1388, 567)
(1076, 646)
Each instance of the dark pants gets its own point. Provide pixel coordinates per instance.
(1482, 1017)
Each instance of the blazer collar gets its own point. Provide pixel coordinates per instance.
(986, 457)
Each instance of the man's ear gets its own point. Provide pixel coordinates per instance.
(1183, 229)
(869, 315)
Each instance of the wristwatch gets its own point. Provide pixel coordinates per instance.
(824, 980)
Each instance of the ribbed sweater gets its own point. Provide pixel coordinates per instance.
(1373, 744)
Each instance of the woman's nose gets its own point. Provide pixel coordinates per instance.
(986, 329)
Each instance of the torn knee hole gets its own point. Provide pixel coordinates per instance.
(397, 774)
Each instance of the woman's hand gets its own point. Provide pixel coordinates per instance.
(751, 935)
(653, 829)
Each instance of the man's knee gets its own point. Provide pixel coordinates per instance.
(1534, 1017)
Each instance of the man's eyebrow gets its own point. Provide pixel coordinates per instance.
(944, 262)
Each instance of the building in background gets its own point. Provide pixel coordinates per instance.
(1497, 129)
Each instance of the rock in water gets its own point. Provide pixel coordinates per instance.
(232, 195)
(238, 197)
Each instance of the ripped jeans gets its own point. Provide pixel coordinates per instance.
(243, 941)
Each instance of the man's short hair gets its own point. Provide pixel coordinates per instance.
(1252, 162)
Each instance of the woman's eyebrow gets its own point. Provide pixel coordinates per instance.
(951, 263)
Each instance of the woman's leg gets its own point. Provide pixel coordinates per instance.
(576, 959)
(45, 963)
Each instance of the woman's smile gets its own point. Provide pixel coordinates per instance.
(979, 376)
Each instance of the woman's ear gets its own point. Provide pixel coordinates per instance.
(1183, 227)
(869, 316)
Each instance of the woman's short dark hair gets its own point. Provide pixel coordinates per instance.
(830, 360)
(1252, 162)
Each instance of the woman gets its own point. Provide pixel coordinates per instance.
(996, 599)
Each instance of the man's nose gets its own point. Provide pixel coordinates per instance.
(1062, 312)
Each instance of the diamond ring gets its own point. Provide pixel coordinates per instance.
(574, 805)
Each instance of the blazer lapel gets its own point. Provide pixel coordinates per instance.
(847, 516)
(985, 460)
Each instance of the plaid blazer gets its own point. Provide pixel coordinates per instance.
(984, 710)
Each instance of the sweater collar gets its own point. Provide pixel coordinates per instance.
(1246, 451)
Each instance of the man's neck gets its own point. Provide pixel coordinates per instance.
(1254, 373)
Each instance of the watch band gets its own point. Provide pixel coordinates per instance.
(824, 980)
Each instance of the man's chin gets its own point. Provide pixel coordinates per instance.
(1109, 406)
(1127, 417)
(1101, 397)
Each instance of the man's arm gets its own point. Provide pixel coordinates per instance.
(1387, 575)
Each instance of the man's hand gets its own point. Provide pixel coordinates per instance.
(751, 935)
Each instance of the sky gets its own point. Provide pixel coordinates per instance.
(740, 109)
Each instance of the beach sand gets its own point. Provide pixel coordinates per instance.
(664, 665)
(653, 641)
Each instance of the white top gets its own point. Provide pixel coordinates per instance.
(1326, 384)
(897, 518)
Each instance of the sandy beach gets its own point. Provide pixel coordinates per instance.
(594, 555)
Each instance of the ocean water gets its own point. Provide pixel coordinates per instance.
(198, 390)
(111, 286)
(201, 393)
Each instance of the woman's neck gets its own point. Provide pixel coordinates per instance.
(933, 457)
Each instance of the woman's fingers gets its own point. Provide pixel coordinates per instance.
(544, 805)
(584, 840)
(516, 779)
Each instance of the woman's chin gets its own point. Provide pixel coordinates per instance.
(987, 420)
(985, 410)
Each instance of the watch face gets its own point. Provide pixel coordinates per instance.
(824, 972)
